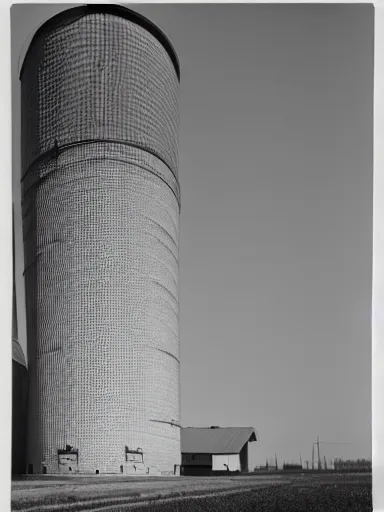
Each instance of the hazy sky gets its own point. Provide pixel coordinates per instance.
(276, 165)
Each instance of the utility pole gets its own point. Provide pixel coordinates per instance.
(313, 456)
(276, 461)
(325, 463)
(318, 454)
(301, 462)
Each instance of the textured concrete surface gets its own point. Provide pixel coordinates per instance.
(100, 200)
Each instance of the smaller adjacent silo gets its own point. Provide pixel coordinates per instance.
(19, 390)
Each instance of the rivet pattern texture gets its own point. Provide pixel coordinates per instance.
(100, 202)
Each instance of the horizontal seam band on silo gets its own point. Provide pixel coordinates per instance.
(167, 422)
(55, 151)
(59, 149)
(43, 178)
(168, 354)
(113, 10)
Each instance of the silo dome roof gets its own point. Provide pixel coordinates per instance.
(71, 15)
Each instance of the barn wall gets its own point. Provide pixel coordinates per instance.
(232, 460)
(196, 459)
(244, 458)
(197, 470)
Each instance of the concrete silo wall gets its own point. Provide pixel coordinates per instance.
(100, 199)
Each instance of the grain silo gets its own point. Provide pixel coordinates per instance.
(100, 202)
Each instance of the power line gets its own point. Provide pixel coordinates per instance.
(332, 442)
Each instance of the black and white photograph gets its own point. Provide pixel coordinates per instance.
(192, 257)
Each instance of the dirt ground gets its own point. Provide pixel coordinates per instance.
(275, 492)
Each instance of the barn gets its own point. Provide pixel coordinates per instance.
(215, 450)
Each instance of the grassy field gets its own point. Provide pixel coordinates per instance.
(252, 493)
(316, 498)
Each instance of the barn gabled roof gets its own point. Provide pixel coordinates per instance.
(216, 440)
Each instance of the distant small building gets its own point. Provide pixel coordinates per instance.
(267, 467)
(292, 467)
(215, 450)
(360, 465)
